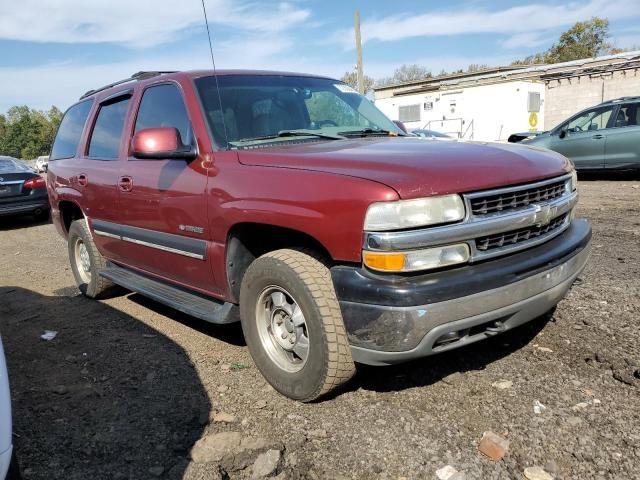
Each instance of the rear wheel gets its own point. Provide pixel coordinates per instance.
(86, 261)
(293, 326)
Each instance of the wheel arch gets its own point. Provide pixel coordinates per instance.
(247, 241)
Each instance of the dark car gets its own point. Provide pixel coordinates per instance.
(22, 190)
(292, 201)
(606, 136)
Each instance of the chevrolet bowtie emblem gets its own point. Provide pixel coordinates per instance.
(545, 214)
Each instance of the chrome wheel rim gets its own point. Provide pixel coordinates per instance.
(282, 329)
(83, 261)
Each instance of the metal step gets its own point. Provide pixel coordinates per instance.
(194, 304)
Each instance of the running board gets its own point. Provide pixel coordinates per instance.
(199, 306)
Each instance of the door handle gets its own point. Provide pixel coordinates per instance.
(125, 184)
(597, 136)
(82, 180)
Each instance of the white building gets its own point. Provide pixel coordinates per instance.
(492, 104)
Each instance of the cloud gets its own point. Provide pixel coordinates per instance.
(66, 81)
(137, 23)
(518, 20)
(529, 39)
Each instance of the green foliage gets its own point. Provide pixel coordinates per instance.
(351, 79)
(584, 40)
(27, 133)
(406, 73)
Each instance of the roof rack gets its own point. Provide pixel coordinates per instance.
(143, 75)
(622, 99)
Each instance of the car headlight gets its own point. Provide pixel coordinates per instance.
(411, 261)
(419, 212)
(572, 182)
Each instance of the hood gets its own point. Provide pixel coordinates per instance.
(417, 167)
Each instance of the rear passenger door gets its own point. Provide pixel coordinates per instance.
(97, 173)
(163, 208)
(623, 139)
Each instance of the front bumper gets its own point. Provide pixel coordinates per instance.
(395, 319)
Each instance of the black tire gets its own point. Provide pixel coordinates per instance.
(90, 283)
(328, 363)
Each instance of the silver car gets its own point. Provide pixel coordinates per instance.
(5, 423)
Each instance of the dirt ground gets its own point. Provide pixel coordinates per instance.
(128, 386)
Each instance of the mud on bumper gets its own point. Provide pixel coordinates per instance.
(395, 319)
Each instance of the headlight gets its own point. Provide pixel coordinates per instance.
(413, 213)
(572, 182)
(411, 261)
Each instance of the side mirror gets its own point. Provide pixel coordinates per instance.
(400, 125)
(563, 133)
(161, 143)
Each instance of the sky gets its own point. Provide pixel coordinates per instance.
(52, 51)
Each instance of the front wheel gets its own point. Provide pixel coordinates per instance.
(293, 326)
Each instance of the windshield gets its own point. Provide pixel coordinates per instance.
(261, 110)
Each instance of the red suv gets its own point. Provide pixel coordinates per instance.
(291, 203)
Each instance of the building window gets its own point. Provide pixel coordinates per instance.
(409, 113)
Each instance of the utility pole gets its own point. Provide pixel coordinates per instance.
(359, 50)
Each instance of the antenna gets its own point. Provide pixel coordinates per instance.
(215, 74)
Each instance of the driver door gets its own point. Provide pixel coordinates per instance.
(584, 137)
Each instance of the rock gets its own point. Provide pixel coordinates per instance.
(60, 389)
(538, 407)
(536, 473)
(156, 471)
(211, 448)
(574, 421)
(493, 446)
(453, 378)
(446, 473)
(223, 388)
(260, 404)
(544, 349)
(502, 384)
(223, 417)
(623, 377)
(266, 464)
(580, 406)
(318, 433)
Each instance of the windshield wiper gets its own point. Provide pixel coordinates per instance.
(366, 132)
(293, 133)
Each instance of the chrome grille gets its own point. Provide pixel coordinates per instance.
(516, 198)
(514, 237)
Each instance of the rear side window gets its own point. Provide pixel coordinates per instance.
(70, 131)
(162, 106)
(107, 131)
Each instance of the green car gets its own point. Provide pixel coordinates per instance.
(604, 136)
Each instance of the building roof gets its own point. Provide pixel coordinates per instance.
(547, 72)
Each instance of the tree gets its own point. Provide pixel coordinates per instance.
(28, 133)
(583, 40)
(406, 73)
(351, 79)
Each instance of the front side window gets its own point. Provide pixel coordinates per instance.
(162, 106)
(260, 110)
(590, 120)
(107, 131)
(71, 127)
